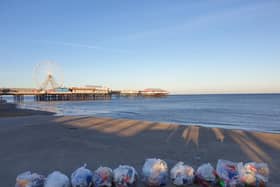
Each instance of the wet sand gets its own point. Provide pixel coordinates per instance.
(11, 110)
(43, 143)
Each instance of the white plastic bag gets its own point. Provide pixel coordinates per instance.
(57, 179)
(182, 174)
(103, 176)
(255, 174)
(206, 172)
(155, 172)
(81, 177)
(28, 179)
(124, 176)
(229, 172)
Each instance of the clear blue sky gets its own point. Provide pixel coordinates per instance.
(180, 45)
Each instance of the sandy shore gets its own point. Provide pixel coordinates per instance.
(11, 110)
(43, 143)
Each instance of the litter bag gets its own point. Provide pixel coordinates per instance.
(81, 177)
(28, 179)
(103, 176)
(182, 175)
(228, 172)
(57, 179)
(205, 175)
(124, 176)
(155, 172)
(255, 174)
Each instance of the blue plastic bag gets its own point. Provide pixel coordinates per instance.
(229, 172)
(206, 175)
(57, 179)
(81, 177)
(125, 176)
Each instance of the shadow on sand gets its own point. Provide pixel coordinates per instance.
(47, 143)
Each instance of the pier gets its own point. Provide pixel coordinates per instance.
(50, 90)
(67, 94)
(76, 93)
(71, 97)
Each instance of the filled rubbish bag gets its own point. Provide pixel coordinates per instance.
(155, 172)
(103, 176)
(124, 176)
(57, 179)
(81, 177)
(28, 179)
(182, 174)
(206, 172)
(205, 175)
(228, 172)
(255, 174)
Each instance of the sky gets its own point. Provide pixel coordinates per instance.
(182, 46)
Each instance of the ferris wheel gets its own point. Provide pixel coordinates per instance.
(48, 75)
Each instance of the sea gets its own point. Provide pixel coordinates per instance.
(258, 112)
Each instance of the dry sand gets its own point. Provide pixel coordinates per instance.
(43, 143)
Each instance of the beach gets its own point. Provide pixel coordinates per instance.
(11, 110)
(44, 143)
(113, 83)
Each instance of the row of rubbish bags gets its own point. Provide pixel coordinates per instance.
(155, 174)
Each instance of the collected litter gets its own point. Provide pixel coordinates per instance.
(206, 175)
(182, 175)
(228, 173)
(81, 177)
(124, 176)
(103, 176)
(57, 179)
(155, 172)
(255, 174)
(28, 179)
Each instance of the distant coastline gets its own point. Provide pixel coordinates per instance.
(228, 93)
